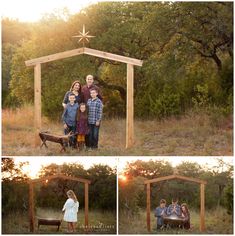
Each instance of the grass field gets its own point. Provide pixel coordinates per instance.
(192, 134)
(99, 222)
(217, 222)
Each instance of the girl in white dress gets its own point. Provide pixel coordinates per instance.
(70, 210)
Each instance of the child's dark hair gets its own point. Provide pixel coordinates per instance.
(163, 201)
(94, 89)
(79, 111)
(174, 199)
(185, 206)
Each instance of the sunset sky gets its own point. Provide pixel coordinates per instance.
(36, 163)
(208, 162)
(31, 11)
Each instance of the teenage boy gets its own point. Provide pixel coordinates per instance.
(69, 118)
(95, 109)
(174, 208)
(160, 212)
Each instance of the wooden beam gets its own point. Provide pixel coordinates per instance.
(56, 56)
(113, 57)
(148, 208)
(130, 107)
(37, 103)
(31, 209)
(175, 177)
(88, 51)
(61, 176)
(202, 211)
(86, 205)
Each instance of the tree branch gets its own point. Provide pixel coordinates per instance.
(120, 89)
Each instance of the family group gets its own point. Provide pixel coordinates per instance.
(174, 215)
(82, 114)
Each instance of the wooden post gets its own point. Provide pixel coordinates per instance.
(37, 102)
(86, 205)
(202, 213)
(130, 106)
(148, 208)
(31, 209)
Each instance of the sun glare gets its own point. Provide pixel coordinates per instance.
(31, 170)
(36, 9)
(34, 165)
(123, 178)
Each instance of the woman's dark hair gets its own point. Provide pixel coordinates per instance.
(186, 207)
(79, 111)
(76, 82)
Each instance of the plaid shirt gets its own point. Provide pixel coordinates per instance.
(95, 108)
(171, 208)
(87, 94)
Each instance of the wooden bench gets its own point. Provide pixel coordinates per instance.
(49, 221)
(63, 140)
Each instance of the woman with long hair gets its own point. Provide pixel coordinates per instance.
(76, 90)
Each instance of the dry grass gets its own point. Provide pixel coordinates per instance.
(217, 222)
(99, 222)
(190, 135)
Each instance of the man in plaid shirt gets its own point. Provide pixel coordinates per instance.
(95, 108)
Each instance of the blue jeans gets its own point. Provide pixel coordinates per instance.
(93, 136)
(72, 140)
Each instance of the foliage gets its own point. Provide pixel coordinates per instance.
(229, 198)
(186, 47)
(218, 188)
(52, 194)
(131, 195)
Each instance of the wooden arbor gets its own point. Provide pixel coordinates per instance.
(130, 85)
(170, 177)
(31, 196)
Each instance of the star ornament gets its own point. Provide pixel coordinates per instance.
(83, 36)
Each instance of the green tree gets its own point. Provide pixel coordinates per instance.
(184, 45)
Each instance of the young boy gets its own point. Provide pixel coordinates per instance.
(160, 212)
(69, 118)
(95, 108)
